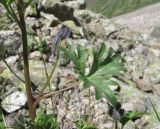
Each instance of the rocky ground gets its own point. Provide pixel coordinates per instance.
(143, 20)
(141, 58)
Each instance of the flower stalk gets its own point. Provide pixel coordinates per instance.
(32, 110)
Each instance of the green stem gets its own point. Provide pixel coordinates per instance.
(49, 77)
(49, 85)
(45, 67)
(12, 71)
(116, 125)
(15, 16)
(32, 109)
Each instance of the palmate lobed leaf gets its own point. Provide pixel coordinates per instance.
(104, 67)
(79, 57)
(101, 85)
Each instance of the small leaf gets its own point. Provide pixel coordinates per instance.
(70, 53)
(82, 56)
(9, 2)
(155, 111)
(98, 57)
(86, 84)
(4, 3)
(129, 116)
(82, 124)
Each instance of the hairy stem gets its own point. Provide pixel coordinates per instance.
(32, 110)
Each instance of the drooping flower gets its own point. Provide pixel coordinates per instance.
(60, 35)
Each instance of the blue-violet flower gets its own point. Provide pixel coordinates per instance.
(60, 35)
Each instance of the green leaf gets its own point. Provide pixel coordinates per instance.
(114, 68)
(2, 125)
(28, 3)
(81, 124)
(98, 57)
(9, 2)
(4, 3)
(101, 85)
(1, 121)
(70, 53)
(129, 116)
(82, 56)
(86, 84)
(44, 121)
(155, 110)
(111, 56)
(79, 58)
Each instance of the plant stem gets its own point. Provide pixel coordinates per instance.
(53, 70)
(32, 110)
(12, 71)
(45, 67)
(116, 125)
(72, 85)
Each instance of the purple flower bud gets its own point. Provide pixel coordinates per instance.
(61, 34)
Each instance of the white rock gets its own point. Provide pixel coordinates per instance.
(14, 101)
(12, 59)
(36, 55)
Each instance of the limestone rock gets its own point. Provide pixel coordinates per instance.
(12, 60)
(11, 41)
(14, 101)
(50, 20)
(36, 55)
(97, 29)
(77, 4)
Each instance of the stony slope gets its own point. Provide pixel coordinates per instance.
(143, 20)
(112, 8)
(141, 58)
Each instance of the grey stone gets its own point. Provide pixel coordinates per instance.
(155, 33)
(30, 11)
(77, 4)
(38, 75)
(34, 23)
(144, 84)
(12, 60)
(50, 19)
(11, 41)
(36, 55)
(97, 29)
(156, 89)
(57, 8)
(14, 101)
